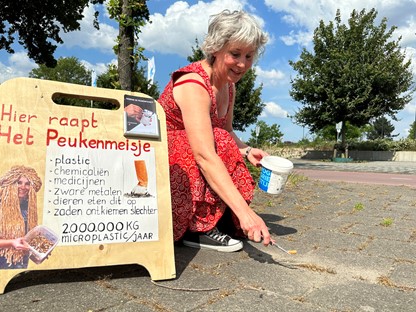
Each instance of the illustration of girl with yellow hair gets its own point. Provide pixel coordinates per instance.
(18, 215)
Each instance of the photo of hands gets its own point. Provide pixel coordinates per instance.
(140, 118)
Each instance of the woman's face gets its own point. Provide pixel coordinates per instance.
(23, 187)
(233, 61)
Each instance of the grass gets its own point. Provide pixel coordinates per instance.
(387, 222)
(295, 178)
(358, 207)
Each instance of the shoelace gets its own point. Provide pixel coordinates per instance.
(215, 234)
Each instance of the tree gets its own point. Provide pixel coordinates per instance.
(248, 104)
(131, 16)
(67, 69)
(267, 134)
(412, 131)
(197, 53)
(381, 128)
(109, 79)
(355, 73)
(37, 24)
(70, 70)
(330, 132)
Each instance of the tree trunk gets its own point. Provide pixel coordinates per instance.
(126, 50)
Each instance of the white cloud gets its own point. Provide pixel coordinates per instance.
(89, 37)
(18, 65)
(273, 110)
(411, 108)
(305, 15)
(407, 31)
(269, 77)
(99, 68)
(175, 31)
(411, 55)
(300, 37)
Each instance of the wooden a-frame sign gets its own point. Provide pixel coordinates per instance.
(96, 196)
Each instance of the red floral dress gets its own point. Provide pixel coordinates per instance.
(195, 206)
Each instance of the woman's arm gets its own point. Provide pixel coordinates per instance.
(5, 243)
(195, 104)
(17, 243)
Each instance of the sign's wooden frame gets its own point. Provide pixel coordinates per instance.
(23, 141)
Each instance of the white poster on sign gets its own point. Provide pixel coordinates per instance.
(95, 196)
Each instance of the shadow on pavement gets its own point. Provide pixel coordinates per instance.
(31, 278)
(277, 229)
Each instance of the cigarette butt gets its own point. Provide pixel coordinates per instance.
(290, 252)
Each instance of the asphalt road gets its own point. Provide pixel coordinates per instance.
(360, 177)
(371, 172)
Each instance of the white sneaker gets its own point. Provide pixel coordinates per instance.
(214, 240)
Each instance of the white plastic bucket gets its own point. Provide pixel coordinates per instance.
(274, 173)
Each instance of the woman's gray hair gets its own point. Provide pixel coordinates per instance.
(236, 27)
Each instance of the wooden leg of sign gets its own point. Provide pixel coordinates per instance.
(6, 276)
(161, 267)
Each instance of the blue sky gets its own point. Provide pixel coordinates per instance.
(176, 24)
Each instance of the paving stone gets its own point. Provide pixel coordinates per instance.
(346, 261)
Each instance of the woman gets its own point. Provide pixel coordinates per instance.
(18, 214)
(210, 183)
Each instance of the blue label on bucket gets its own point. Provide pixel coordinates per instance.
(264, 181)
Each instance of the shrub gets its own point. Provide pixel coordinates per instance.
(368, 145)
(383, 145)
(254, 171)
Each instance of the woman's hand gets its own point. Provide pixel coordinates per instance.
(134, 111)
(255, 155)
(254, 227)
(20, 244)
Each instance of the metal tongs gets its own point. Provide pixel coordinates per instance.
(289, 252)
